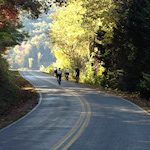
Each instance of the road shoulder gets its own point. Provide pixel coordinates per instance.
(27, 101)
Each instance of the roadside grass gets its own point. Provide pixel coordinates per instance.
(16, 99)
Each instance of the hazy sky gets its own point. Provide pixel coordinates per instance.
(37, 29)
(38, 40)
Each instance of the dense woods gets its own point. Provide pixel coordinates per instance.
(107, 39)
(11, 35)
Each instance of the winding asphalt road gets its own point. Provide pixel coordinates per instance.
(75, 117)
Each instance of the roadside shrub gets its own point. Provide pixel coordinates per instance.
(9, 92)
(93, 75)
(145, 86)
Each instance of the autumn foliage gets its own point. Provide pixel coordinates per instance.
(8, 14)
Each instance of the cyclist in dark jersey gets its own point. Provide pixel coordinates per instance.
(59, 74)
(67, 74)
(77, 71)
(55, 72)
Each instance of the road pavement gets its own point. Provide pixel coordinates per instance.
(75, 117)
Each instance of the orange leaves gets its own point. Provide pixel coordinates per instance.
(8, 14)
(1, 24)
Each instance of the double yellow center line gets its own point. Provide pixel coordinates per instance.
(78, 128)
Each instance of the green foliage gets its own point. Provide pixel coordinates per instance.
(127, 48)
(145, 86)
(139, 32)
(10, 36)
(92, 74)
(88, 74)
(131, 43)
(9, 92)
(48, 69)
(69, 38)
(114, 34)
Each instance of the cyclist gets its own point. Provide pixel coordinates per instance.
(55, 71)
(67, 73)
(59, 74)
(77, 72)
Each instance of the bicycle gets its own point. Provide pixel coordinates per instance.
(59, 73)
(77, 79)
(59, 80)
(67, 76)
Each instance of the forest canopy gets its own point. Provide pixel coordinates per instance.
(10, 36)
(107, 39)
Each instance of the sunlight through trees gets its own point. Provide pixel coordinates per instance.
(106, 35)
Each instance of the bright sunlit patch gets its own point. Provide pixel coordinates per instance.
(130, 110)
(27, 88)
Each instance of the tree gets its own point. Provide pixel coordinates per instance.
(114, 34)
(139, 31)
(10, 36)
(68, 36)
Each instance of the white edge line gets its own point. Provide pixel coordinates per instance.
(143, 110)
(26, 115)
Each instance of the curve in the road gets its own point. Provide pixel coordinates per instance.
(78, 128)
(83, 121)
(26, 115)
(76, 117)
